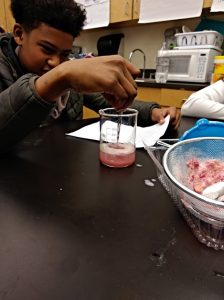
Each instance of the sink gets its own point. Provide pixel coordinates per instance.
(149, 76)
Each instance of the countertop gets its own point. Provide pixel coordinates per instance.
(151, 83)
(74, 229)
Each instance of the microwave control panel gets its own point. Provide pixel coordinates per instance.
(201, 66)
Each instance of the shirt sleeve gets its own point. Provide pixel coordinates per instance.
(206, 103)
(22, 110)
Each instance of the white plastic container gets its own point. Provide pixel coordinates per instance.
(199, 38)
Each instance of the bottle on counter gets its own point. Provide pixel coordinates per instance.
(162, 65)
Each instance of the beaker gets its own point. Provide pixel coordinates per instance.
(117, 137)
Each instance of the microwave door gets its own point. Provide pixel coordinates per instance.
(179, 67)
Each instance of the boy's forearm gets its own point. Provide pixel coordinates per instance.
(54, 83)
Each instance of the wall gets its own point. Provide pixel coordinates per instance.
(148, 37)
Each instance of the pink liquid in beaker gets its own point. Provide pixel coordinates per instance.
(117, 155)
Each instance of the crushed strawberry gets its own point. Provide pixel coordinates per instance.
(204, 173)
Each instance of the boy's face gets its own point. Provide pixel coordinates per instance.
(43, 48)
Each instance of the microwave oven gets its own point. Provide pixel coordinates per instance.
(190, 65)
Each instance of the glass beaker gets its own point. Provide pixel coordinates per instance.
(117, 137)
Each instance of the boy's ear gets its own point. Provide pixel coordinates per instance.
(18, 34)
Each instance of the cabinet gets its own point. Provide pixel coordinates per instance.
(164, 96)
(124, 10)
(136, 9)
(2, 15)
(88, 113)
(207, 3)
(6, 19)
(120, 10)
(9, 18)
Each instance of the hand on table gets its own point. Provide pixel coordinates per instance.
(158, 115)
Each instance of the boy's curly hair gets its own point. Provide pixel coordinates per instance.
(65, 15)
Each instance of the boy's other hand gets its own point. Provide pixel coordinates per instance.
(158, 115)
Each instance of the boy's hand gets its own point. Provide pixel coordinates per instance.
(113, 76)
(158, 115)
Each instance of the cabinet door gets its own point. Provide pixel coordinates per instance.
(207, 3)
(120, 10)
(88, 113)
(6, 19)
(9, 18)
(165, 97)
(136, 9)
(2, 15)
(149, 94)
(173, 97)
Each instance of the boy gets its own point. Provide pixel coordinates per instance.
(36, 77)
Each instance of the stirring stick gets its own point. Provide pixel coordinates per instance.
(119, 121)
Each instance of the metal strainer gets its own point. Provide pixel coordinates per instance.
(205, 216)
(174, 162)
